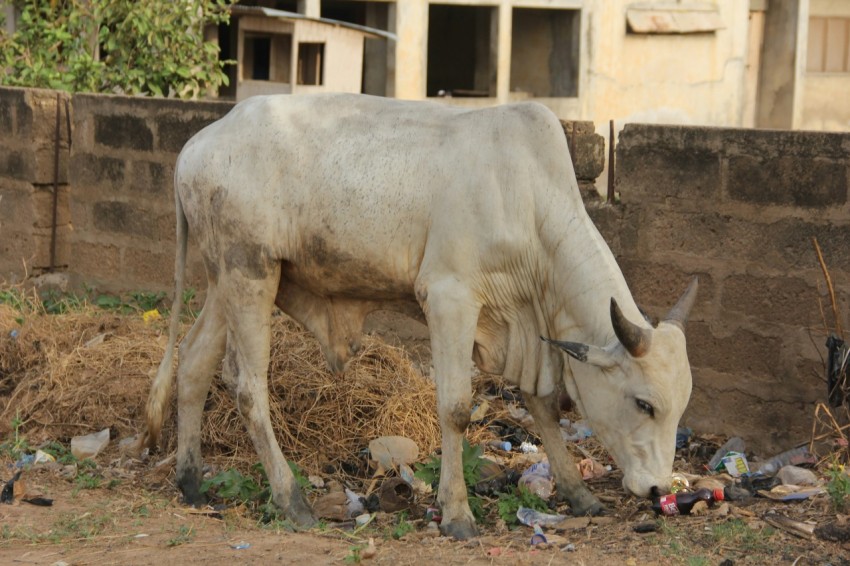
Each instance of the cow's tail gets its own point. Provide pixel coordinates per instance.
(160, 394)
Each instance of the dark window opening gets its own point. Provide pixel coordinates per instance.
(462, 50)
(545, 52)
(311, 57)
(258, 51)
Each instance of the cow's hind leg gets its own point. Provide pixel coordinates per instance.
(452, 317)
(567, 478)
(250, 303)
(200, 352)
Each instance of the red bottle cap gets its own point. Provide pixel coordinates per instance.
(718, 494)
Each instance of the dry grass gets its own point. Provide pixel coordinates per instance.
(61, 380)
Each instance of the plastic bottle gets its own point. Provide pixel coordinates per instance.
(681, 503)
(538, 480)
(502, 445)
(795, 457)
(531, 517)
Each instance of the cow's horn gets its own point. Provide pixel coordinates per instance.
(679, 313)
(635, 339)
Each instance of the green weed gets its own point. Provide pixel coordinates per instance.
(17, 445)
(353, 556)
(402, 527)
(518, 496)
(183, 536)
(838, 486)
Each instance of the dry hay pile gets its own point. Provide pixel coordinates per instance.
(79, 372)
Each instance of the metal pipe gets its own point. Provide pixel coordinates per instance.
(55, 186)
(611, 162)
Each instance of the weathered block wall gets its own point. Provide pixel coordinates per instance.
(27, 174)
(739, 208)
(122, 165)
(736, 207)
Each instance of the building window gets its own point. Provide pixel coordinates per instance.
(311, 58)
(829, 45)
(267, 57)
(545, 52)
(462, 50)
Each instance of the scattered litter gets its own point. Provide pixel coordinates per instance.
(363, 519)
(734, 444)
(795, 456)
(791, 493)
(538, 538)
(570, 547)
(678, 482)
(520, 415)
(530, 517)
(591, 469)
(795, 475)
(683, 434)
(479, 412)
(502, 445)
(736, 464)
(797, 528)
(355, 503)
(8, 493)
(42, 457)
(241, 545)
(141, 535)
(537, 479)
(528, 448)
(96, 341)
(90, 445)
(38, 501)
(13, 334)
(151, 315)
(645, 527)
(432, 515)
(392, 451)
(395, 495)
(575, 432)
(24, 461)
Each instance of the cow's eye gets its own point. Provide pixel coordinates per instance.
(645, 407)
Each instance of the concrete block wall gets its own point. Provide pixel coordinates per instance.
(122, 165)
(27, 174)
(739, 208)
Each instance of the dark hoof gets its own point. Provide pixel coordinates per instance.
(591, 508)
(460, 530)
(299, 512)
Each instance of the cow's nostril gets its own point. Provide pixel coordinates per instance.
(654, 491)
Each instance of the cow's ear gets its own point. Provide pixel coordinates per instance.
(586, 353)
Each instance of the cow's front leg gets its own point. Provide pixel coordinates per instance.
(452, 316)
(247, 357)
(567, 478)
(200, 352)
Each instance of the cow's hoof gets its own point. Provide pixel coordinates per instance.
(299, 512)
(588, 507)
(460, 530)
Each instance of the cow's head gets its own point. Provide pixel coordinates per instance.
(635, 402)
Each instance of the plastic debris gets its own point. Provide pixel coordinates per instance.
(502, 445)
(13, 334)
(795, 457)
(151, 315)
(7, 495)
(479, 412)
(538, 537)
(363, 519)
(355, 503)
(241, 545)
(537, 479)
(591, 469)
(683, 434)
(531, 517)
(90, 445)
(392, 451)
(795, 475)
(734, 444)
(575, 432)
(791, 493)
(678, 482)
(736, 464)
(528, 448)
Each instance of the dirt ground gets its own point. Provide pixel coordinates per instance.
(134, 517)
(79, 372)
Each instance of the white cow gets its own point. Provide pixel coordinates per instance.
(332, 206)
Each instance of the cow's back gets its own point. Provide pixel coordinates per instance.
(355, 192)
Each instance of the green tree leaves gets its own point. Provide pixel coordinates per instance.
(154, 48)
